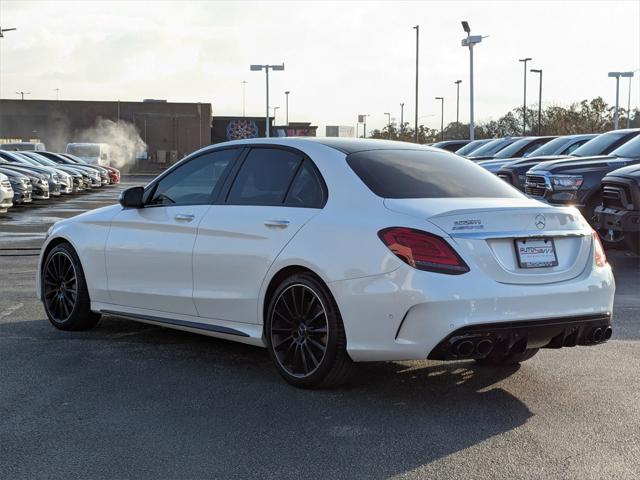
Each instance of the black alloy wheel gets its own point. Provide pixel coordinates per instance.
(60, 286)
(305, 335)
(64, 290)
(299, 330)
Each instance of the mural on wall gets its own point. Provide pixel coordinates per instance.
(241, 128)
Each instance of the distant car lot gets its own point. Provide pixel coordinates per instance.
(129, 400)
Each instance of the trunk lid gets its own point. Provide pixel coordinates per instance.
(485, 230)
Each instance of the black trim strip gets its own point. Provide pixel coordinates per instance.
(181, 323)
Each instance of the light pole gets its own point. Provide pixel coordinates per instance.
(415, 125)
(388, 125)
(524, 108)
(441, 117)
(470, 41)
(266, 68)
(2, 30)
(364, 123)
(286, 94)
(458, 82)
(539, 70)
(629, 101)
(244, 85)
(401, 119)
(617, 76)
(274, 115)
(22, 94)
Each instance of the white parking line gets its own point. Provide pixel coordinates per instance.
(9, 310)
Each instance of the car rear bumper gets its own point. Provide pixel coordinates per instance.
(406, 314)
(478, 341)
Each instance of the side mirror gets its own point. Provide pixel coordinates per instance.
(132, 197)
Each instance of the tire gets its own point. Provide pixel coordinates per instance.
(64, 291)
(509, 359)
(305, 335)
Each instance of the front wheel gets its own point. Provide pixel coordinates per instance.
(305, 335)
(64, 290)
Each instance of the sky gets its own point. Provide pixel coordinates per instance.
(341, 58)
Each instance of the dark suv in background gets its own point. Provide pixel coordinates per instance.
(576, 181)
(561, 147)
(617, 219)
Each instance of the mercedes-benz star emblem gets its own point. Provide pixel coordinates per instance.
(540, 221)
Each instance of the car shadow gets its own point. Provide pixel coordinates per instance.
(149, 402)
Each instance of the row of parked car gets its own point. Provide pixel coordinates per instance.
(598, 173)
(27, 176)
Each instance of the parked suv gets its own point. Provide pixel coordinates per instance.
(577, 181)
(617, 219)
(561, 147)
(521, 148)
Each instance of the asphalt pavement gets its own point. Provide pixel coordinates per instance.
(128, 400)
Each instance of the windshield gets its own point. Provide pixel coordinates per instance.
(493, 147)
(629, 149)
(426, 174)
(554, 147)
(87, 151)
(75, 159)
(603, 144)
(514, 148)
(470, 147)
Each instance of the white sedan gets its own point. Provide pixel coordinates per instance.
(334, 251)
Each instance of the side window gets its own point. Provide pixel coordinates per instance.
(264, 177)
(194, 182)
(306, 189)
(571, 148)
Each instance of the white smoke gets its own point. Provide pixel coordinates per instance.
(122, 137)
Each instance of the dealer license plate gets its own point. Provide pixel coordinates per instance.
(536, 253)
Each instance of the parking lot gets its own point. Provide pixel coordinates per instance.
(128, 400)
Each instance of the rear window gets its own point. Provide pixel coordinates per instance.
(426, 174)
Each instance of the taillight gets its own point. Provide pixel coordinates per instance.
(423, 250)
(600, 257)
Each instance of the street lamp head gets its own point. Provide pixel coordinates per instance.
(278, 67)
(525, 59)
(465, 26)
(536, 70)
(287, 92)
(458, 82)
(439, 98)
(255, 68)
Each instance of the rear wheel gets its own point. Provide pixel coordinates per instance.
(64, 291)
(509, 358)
(305, 335)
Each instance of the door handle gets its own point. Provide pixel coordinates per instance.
(185, 217)
(277, 223)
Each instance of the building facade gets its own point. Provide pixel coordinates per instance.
(168, 130)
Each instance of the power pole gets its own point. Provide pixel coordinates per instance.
(401, 119)
(415, 124)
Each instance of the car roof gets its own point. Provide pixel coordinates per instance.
(344, 145)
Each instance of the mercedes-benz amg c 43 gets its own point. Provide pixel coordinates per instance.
(334, 251)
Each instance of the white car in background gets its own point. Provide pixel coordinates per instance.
(6, 193)
(334, 251)
(93, 153)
